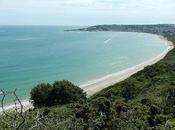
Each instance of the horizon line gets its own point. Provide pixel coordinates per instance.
(85, 25)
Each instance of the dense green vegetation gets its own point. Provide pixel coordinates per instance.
(145, 101)
(149, 96)
(61, 92)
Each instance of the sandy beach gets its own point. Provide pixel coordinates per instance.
(99, 84)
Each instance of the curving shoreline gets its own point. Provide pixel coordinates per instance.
(99, 84)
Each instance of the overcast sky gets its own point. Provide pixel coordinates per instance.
(86, 12)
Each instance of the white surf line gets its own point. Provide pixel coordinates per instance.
(26, 105)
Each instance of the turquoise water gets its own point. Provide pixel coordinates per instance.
(33, 54)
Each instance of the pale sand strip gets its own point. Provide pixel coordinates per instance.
(26, 106)
(99, 84)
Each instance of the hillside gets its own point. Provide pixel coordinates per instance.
(161, 29)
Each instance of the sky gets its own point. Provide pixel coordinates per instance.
(86, 12)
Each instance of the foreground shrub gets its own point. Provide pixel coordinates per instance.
(41, 94)
(61, 92)
(65, 92)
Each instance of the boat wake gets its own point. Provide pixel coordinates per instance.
(108, 40)
(24, 39)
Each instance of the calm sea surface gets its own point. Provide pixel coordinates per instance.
(33, 54)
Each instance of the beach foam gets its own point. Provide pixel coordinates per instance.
(26, 104)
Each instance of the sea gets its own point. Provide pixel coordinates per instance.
(30, 55)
